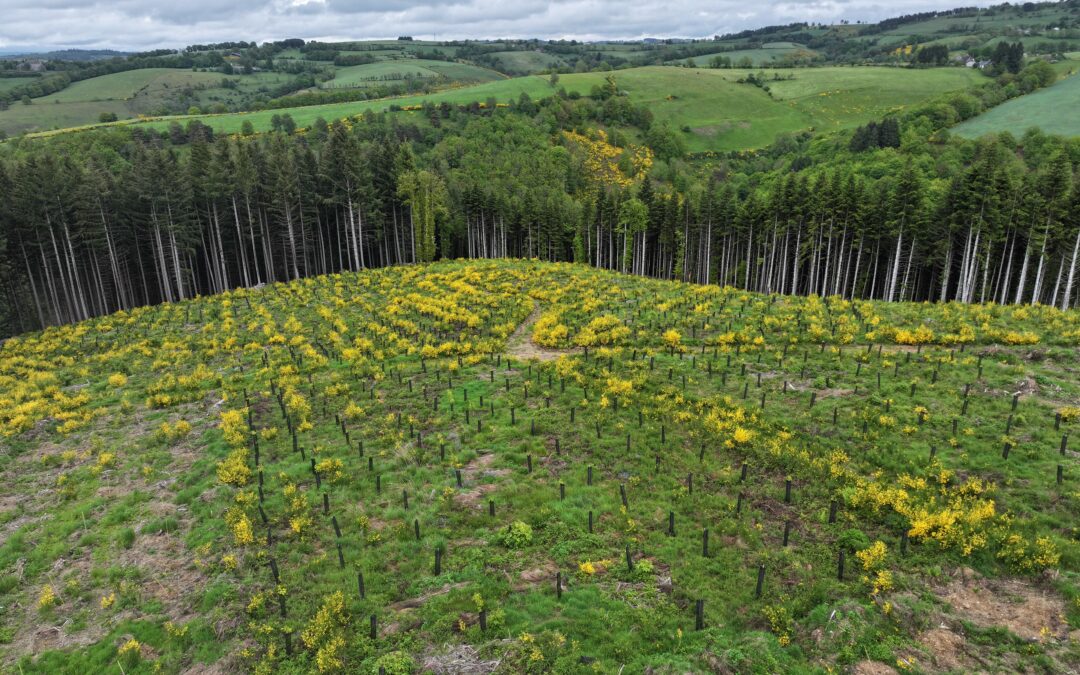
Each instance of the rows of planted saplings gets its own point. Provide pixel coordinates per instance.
(575, 459)
(705, 458)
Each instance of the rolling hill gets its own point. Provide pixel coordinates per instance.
(128, 94)
(711, 108)
(522, 467)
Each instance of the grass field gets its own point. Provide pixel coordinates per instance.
(725, 115)
(1002, 20)
(131, 93)
(129, 84)
(361, 76)
(380, 72)
(837, 98)
(525, 62)
(1052, 109)
(769, 52)
(502, 90)
(9, 83)
(519, 467)
(721, 114)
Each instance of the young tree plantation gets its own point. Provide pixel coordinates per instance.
(752, 353)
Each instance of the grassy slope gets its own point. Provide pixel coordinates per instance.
(725, 115)
(722, 114)
(359, 75)
(122, 86)
(116, 510)
(501, 89)
(526, 61)
(458, 72)
(126, 94)
(1052, 109)
(9, 83)
(768, 52)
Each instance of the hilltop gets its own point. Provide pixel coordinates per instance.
(524, 467)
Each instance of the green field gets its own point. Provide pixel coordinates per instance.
(720, 113)
(130, 84)
(513, 467)
(725, 115)
(525, 62)
(371, 74)
(837, 97)
(767, 53)
(391, 70)
(502, 90)
(9, 83)
(133, 93)
(1054, 110)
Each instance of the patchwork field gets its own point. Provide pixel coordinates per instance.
(719, 113)
(526, 467)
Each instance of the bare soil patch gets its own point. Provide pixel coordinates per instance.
(474, 496)
(537, 576)
(872, 668)
(947, 650)
(457, 660)
(520, 344)
(1024, 609)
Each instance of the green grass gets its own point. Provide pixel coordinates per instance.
(41, 117)
(1051, 109)
(129, 84)
(9, 83)
(823, 396)
(524, 62)
(462, 72)
(502, 90)
(132, 93)
(1002, 20)
(725, 115)
(390, 70)
(768, 53)
(363, 75)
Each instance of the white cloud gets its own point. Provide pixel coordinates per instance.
(148, 24)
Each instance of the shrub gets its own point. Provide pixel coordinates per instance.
(853, 539)
(518, 535)
(126, 538)
(394, 663)
(234, 469)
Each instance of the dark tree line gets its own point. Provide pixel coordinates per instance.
(114, 219)
(885, 134)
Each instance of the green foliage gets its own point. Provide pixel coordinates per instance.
(516, 535)
(853, 539)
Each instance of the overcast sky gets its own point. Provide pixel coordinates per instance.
(147, 24)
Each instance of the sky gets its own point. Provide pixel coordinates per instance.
(152, 24)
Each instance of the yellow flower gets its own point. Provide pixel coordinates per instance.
(47, 598)
(131, 647)
(873, 556)
(672, 338)
(741, 435)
